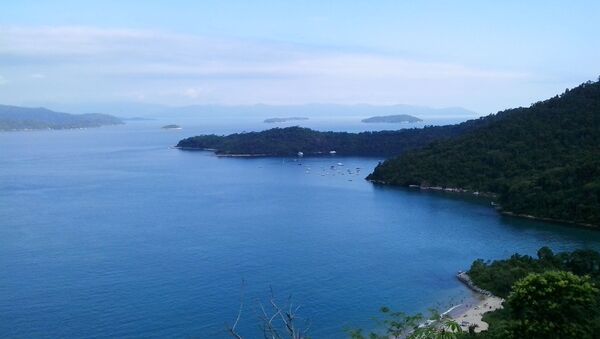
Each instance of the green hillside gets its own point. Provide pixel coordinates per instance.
(543, 160)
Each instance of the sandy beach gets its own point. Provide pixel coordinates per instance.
(471, 314)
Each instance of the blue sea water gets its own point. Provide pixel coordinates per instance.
(109, 232)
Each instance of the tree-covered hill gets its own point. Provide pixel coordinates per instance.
(291, 140)
(543, 160)
(13, 118)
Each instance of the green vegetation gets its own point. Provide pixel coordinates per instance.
(400, 325)
(499, 276)
(13, 118)
(553, 296)
(542, 161)
(289, 141)
(398, 118)
(553, 304)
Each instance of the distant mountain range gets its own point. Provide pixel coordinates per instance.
(263, 111)
(14, 118)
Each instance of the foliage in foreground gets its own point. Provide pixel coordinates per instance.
(499, 276)
(553, 296)
(401, 325)
(554, 304)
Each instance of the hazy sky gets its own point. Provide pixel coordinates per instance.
(482, 55)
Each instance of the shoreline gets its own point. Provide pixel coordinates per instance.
(224, 155)
(472, 314)
(491, 196)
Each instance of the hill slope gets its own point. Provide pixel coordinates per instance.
(542, 161)
(14, 118)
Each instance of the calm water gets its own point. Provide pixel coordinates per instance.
(109, 232)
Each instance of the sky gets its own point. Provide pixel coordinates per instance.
(481, 55)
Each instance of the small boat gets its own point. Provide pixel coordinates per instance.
(340, 164)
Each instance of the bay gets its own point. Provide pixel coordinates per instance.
(110, 232)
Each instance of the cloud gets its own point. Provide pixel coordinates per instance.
(193, 93)
(163, 65)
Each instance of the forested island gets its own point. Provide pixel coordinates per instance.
(172, 126)
(14, 118)
(541, 161)
(392, 119)
(280, 120)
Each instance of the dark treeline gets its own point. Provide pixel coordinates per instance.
(291, 140)
(551, 296)
(499, 276)
(543, 160)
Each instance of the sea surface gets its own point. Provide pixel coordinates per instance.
(110, 232)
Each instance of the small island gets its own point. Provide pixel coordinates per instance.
(171, 127)
(392, 119)
(280, 120)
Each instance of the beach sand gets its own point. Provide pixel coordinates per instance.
(471, 314)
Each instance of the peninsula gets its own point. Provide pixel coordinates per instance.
(15, 118)
(291, 140)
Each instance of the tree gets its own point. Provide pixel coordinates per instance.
(401, 325)
(554, 304)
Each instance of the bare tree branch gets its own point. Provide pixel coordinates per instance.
(232, 329)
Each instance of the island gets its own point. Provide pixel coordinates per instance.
(15, 118)
(280, 120)
(542, 161)
(392, 119)
(171, 127)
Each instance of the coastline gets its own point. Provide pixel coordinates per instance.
(491, 196)
(224, 155)
(472, 314)
(533, 217)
